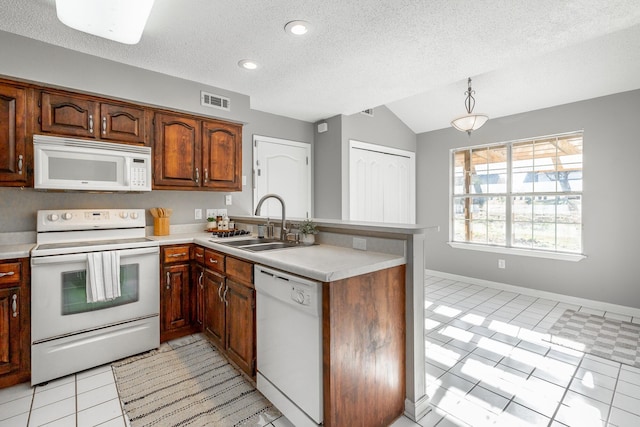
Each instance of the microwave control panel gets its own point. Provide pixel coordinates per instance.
(139, 172)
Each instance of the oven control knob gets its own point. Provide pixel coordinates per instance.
(67, 215)
(53, 217)
(124, 214)
(134, 215)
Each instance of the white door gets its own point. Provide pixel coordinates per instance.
(381, 184)
(284, 168)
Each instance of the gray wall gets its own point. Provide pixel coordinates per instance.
(30, 60)
(611, 271)
(332, 154)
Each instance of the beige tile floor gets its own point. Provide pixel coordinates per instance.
(487, 365)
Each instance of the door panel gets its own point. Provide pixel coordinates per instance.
(284, 168)
(214, 307)
(176, 151)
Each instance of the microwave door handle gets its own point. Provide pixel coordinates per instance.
(127, 172)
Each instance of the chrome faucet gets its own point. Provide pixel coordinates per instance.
(283, 229)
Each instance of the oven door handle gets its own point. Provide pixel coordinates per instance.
(57, 259)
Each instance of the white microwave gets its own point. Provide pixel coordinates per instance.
(75, 164)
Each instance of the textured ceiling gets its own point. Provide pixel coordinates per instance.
(412, 55)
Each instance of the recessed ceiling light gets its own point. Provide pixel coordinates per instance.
(248, 64)
(297, 28)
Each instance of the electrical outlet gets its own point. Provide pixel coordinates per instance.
(212, 213)
(360, 244)
(502, 263)
(198, 214)
(228, 199)
(222, 212)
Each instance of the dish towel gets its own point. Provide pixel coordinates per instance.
(103, 276)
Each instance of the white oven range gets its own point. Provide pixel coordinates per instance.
(69, 334)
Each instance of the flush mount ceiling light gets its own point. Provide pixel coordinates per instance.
(297, 28)
(248, 64)
(118, 20)
(470, 121)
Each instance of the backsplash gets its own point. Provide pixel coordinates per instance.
(18, 207)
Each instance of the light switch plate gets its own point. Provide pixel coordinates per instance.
(228, 199)
(198, 214)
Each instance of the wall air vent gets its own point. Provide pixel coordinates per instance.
(215, 101)
(368, 112)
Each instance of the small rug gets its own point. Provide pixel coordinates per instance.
(191, 385)
(608, 338)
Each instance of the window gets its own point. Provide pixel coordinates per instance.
(521, 194)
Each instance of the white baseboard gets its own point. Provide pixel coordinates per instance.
(417, 410)
(598, 305)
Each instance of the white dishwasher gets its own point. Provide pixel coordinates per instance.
(289, 344)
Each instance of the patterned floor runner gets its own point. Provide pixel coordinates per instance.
(597, 335)
(191, 385)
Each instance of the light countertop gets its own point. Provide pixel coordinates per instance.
(11, 251)
(325, 263)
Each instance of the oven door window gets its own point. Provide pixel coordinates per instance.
(74, 290)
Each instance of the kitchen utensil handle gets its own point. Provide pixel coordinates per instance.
(14, 305)
(91, 123)
(8, 273)
(168, 280)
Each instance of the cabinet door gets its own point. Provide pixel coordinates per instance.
(197, 296)
(214, 307)
(13, 144)
(222, 155)
(241, 325)
(68, 115)
(176, 151)
(10, 300)
(120, 123)
(175, 297)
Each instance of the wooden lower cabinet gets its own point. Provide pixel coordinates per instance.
(214, 308)
(175, 292)
(15, 353)
(240, 325)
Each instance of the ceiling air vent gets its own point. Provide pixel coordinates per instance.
(215, 101)
(368, 112)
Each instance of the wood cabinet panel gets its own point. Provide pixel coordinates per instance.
(363, 329)
(222, 155)
(175, 298)
(15, 304)
(176, 151)
(198, 254)
(214, 260)
(13, 134)
(69, 115)
(122, 123)
(175, 254)
(239, 270)
(214, 311)
(240, 318)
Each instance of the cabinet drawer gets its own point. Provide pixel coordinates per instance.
(198, 254)
(240, 270)
(214, 260)
(10, 272)
(175, 254)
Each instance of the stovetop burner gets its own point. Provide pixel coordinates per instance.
(230, 233)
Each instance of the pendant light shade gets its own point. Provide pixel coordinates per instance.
(119, 20)
(470, 121)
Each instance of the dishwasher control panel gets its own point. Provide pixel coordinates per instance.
(291, 291)
(300, 295)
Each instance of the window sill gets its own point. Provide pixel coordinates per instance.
(519, 252)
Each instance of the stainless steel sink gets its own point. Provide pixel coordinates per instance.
(258, 245)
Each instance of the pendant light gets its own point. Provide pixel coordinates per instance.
(470, 121)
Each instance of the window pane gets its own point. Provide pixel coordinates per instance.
(522, 234)
(478, 231)
(569, 238)
(459, 171)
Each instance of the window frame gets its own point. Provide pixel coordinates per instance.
(507, 248)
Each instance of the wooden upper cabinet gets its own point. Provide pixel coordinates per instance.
(13, 134)
(122, 123)
(176, 151)
(222, 155)
(190, 153)
(70, 115)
